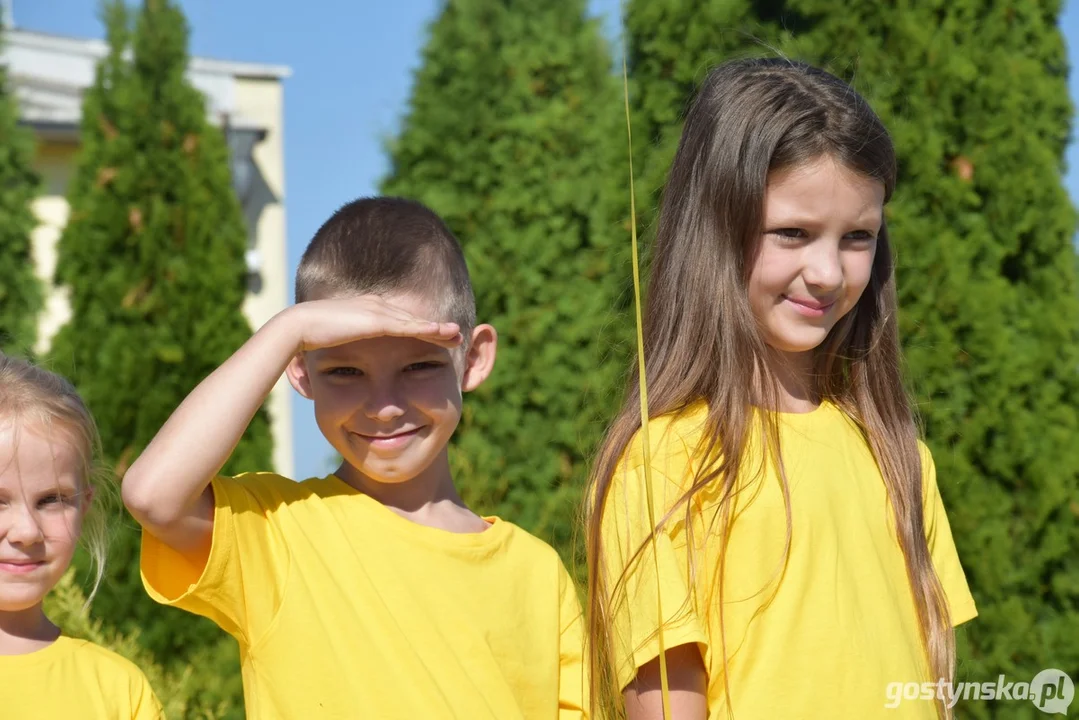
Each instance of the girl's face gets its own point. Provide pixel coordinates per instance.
(821, 222)
(42, 500)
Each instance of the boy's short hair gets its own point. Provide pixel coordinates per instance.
(382, 245)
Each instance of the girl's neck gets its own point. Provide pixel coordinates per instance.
(25, 631)
(794, 381)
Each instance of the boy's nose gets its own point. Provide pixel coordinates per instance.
(384, 405)
(386, 412)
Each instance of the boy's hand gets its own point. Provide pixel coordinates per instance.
(328, 323)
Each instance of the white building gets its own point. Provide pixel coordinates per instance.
(49, 73)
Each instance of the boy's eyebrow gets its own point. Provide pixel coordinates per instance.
(335, 355)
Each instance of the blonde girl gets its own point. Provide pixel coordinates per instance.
(48, 477)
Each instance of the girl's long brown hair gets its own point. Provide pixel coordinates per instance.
(752, 118)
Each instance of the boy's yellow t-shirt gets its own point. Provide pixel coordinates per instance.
(74, 680)
(824, 634)
(344, 609)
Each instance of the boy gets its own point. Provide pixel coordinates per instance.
(373, 592)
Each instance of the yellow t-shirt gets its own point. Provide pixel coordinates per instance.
(344, 609)
(821, 636)
(74, 680)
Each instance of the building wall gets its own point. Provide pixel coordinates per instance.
(55, 163)
(259, 100)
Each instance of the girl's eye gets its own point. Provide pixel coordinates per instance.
(861, 236)
(54, 501)
(789, 233)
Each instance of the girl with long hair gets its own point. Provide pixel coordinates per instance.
(800, 562)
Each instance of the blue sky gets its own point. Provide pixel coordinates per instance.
(352, 64)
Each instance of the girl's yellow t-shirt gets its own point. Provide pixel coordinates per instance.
(826, 634)
(74, 680)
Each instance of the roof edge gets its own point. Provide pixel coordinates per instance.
(98, 48)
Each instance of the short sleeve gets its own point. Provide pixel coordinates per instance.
(639, 579)
(240, 584)
(145, 703)
(572, 681)
(938, 533)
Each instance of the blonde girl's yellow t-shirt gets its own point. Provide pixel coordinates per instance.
(74, 680)
(344, 609)
(824, 633)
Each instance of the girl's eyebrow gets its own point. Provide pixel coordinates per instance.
(62, 489)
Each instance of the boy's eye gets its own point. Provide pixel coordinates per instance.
(342, 371)
(426, 365)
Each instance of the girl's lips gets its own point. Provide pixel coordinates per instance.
(809, 308)
(19, 568)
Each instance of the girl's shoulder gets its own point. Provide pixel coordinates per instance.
(673, 438)
(89, 653)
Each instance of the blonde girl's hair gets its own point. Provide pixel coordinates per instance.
(31, 396)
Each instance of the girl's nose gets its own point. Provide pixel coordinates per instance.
(23, 525)
(823, 267)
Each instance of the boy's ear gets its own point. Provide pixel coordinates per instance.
(480, 358)
(297, 374)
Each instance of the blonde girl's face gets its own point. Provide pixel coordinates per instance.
(821, 222)
(42, 501)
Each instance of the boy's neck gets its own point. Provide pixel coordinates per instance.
(25, 631)
(429, 499)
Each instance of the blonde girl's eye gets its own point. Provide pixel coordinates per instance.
(58, 501)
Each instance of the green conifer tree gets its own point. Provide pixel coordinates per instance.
(21, 293)
(153, 257)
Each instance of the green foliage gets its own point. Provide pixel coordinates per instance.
(153, 256)
(177, 691)
(976, 97)
(671, 46)
(21, 293)
(512, 130)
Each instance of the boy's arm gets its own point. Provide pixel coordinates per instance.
(167, 489)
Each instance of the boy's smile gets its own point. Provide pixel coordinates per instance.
(390, 441)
